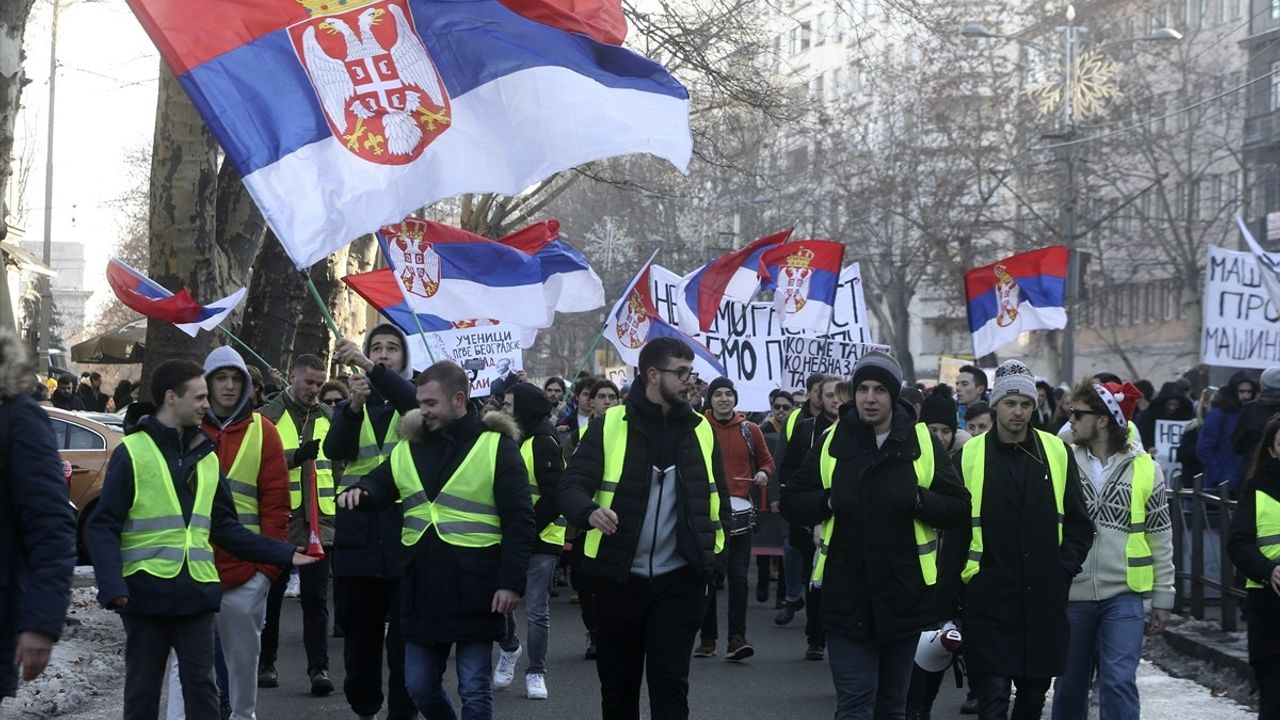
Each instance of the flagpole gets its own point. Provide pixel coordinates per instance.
(594, 344)
(612, 309)
(421, 332)
(247, 349)
(324, 311)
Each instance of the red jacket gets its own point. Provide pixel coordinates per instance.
(735, 455)
(273, 495)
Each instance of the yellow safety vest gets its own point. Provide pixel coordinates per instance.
(614, 444)
(582, 430)
(792, 420)
(926, 536)
(370, 453)
(156, 539)
(973, 461)
(553, 533)
(464, 513)
(1141, 566)
(1267, 516)
(291, 439)
(242, 478)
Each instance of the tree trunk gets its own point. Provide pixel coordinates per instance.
(900, 309)
(13, 25)
(240, 224)
(313, 334)
(276, 295)
(183, 243)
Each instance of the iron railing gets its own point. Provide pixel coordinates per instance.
(1195, 511)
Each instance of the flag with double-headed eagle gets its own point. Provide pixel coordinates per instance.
(1020, 293)
(804, 276)
(343, 116)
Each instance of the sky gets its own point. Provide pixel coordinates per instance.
(105, 110)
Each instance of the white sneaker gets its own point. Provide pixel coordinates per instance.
(535, 686)
(506, 670)
(294, 587)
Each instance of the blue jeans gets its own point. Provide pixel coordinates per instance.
(542, 571)
(1113, 629)
(424, 667)
(871, 680)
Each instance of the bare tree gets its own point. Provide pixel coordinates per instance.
(13, 25)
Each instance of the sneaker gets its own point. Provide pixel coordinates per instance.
(294, 588)
(320, 682)
(590, 654)
(788, 612)
(506, 670)
(707, 648)
(816, 651)
(739, 649)
(268, 677)
(535, 686)
(969, 706)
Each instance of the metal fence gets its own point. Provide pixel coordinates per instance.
(1199, 515)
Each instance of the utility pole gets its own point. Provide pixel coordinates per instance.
(46, 293)
(1067, 347)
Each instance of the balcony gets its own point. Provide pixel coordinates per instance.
(1262, 132)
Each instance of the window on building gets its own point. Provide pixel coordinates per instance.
(1273, 98)
(1193, 199)
(1103, 302)
(806, 35)
(1135, 304)
(1275, 9)
(1180, 311)
(1233, 189)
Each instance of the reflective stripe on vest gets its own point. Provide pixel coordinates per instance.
(155, 538)
(242, 478)
(290, 438)
(464, 513)
(1140, 570)
(926, 537)
(554, 532)
(1267, 517)
(973, 461)
(614, 444)
(370, 453)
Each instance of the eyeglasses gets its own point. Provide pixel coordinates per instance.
(332, 401)
(1079, 414)
(686, 375)
(781, 408)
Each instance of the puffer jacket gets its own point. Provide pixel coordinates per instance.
(304, 419)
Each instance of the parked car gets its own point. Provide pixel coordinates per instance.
(86, 444)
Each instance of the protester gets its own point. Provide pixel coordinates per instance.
(879, 484)
(654, 535)
(1247, 437)
(368, 558)
(37, 528)
(334, 392)
(573, 425)
(1030, 535)
(1254, 547)
(1046, 409)
(303, 422)
(122, 397)
(555, 390)
(979, 418)
(1186, 454)
(971, 387)
(939, 414)
(774, 428)
(913, 398)
(1131, 558)
(65, 397)
(91, 392)
(152, 556)
(747, 464)
(1170, 404)
(468, 525)
(1222, 464)
(604, 395)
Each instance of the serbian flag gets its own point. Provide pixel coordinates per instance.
(634, 321)
(570, 283)
(733, 276)
(146, 296)
(1020, 293)
(342, 116)
(804, 276)
(1268, 263)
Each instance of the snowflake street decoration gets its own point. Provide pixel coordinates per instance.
(1093, 84)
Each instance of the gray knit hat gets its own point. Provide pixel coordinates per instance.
(1013, 378)
(1271, 378)
(882, 368)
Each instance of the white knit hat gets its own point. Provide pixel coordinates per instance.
(1013, 378)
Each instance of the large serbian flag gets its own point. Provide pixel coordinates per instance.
(634, 321)
(570, 283)
(148, 297)
(1019, 293)
(732, 276)
(343, 116)
(804, 276)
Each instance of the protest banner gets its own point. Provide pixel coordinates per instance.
(1168, 441)
(1240, 321)
(487, 353)
(618, 374)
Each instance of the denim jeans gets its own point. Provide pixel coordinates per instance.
(537, 596)
(424, 667)
(793, 571)
(1112, 629)
(871, 680)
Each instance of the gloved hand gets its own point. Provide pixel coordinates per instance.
(308, 450)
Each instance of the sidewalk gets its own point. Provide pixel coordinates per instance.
(1202, 651)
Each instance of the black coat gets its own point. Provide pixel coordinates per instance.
(37, 531)
(447, 591)
(1015, 608)
(872, 586)
(1146, 420)
(365, 544)
(181, 595)
(807, 433)
(653, 440)
(1264, 604)
(1253, 419)
(548, 467)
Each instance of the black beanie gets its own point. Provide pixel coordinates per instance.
(530, 404)
(721, 382)
(939, 408)
(882, 368)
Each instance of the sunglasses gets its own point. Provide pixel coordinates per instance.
(781, 407)
(332, 401)
(1079, 414)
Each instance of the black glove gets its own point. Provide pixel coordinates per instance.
(308, 450)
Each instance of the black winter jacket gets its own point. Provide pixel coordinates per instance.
(447, 591)
(653, 440)
(1253, 419)
(1242, 546)
(872, 586)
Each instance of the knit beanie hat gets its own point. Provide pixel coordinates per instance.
(1013, 378)
(882, 368)
(939, 408)
(721, 382)
(1271, 378)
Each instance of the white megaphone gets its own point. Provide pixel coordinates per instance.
(936, 648)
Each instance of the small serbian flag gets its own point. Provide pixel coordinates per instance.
(804, 276)
(569, 282)
(733, 276)
(1020, 293)
(634, 321)
(144, 295)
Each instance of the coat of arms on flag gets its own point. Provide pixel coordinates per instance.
(795, 280)
(633, 321)
(379, 89)
(416, 259)
(1008, 294)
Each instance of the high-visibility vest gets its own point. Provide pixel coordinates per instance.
(554, 532)
(464, 512)
(371, 453)
(291, 439)
(242, 478)
(973, 461)
(582, 430)
(156, 539)
(1140, 570)
(1266, 514)
(614, 444)
(792, 420)
(926, 537)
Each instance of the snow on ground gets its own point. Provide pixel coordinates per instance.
(1165, 697)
